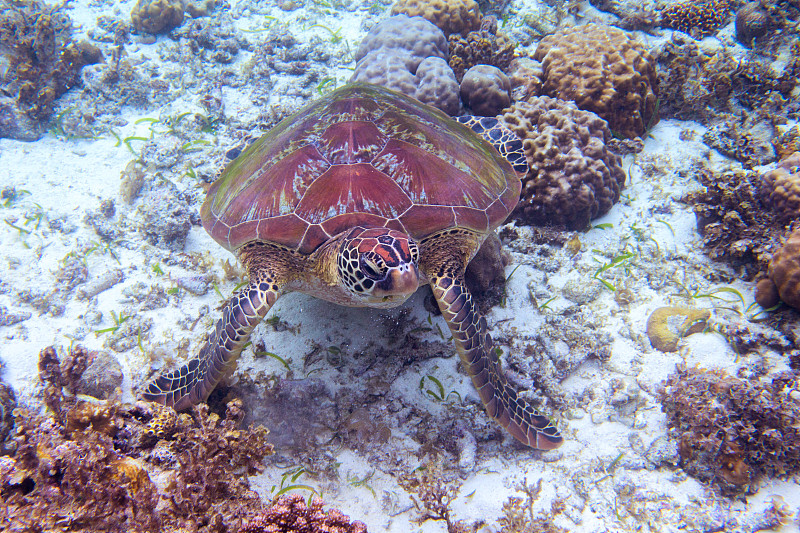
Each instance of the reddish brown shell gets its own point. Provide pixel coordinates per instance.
(362, 155)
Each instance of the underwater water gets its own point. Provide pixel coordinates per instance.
(638, 163)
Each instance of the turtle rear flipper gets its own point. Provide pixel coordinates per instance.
(194, 382)
(474, 345)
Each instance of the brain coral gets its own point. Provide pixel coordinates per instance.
(409, 55)
(783, 275)
(572, 177)
(450, 16)
(780, 188)
(602, 70)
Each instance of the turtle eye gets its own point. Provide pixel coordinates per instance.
(372, 267)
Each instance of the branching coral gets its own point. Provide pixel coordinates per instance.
(89, 468)
(518, 515)
(434, 494)
(731, 431)
(736, 226)
(698, 19)
(290, 514)
(484, 47)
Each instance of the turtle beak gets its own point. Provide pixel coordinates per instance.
(400, 281)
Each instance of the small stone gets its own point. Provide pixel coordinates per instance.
(102, 377)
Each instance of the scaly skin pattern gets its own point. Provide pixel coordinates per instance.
(445, 257)
(193, 382)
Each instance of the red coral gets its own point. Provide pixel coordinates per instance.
(290, 514)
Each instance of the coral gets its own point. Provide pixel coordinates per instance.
(409, 55)
(736, 142)
(780, 188)
(450, 16)
(783, 275)
(526, 78)
(485, 90)
(604, 71)
(42, 62)
(752, 22)
(736, 226)
(518, 516)
(787, 143)
(102, 377)
(698, 19)
(482, 47)
(668, 325)
(435, 490)
(165, 218)
(572, 177)
(157, 16)
(88, 467)
(731, 431)
(290, 514)
(8, 402)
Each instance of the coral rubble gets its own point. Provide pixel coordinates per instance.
(43, 62)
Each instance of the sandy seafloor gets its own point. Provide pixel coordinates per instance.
(608, 451)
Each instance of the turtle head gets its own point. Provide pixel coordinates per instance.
(379, 264)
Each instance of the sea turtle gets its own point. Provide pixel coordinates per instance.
(359, 199)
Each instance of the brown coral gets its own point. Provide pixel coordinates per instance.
(781, 188)
(485, 90)
(156, 16)
(731, 430)
(698, 19)
(89, 467)
(42, 60)
(736, 226)
(450, 16)
(479, 48)
(604, 71)
(783, 275)
(572, 177)
(290, 514)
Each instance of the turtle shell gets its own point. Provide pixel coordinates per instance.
(361, 156)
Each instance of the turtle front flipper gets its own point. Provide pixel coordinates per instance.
(193, 382)
(474, 345)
